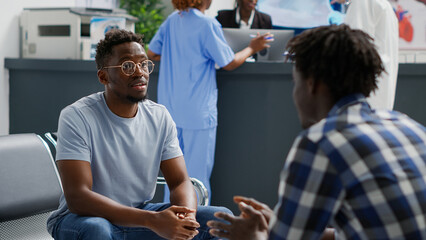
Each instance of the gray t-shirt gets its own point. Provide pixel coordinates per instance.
(124, 153)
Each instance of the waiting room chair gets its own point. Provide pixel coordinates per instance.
(30, 187)
(200, 189)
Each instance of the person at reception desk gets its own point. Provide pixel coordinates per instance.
(244, 16)
(189, 44)
(359, 170)
(111, 146)
(378, 19)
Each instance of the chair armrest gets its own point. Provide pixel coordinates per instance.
(200, 189)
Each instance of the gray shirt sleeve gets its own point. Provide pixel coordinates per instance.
(171, 148)
(72, 137)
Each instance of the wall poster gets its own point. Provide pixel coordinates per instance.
(412, 23)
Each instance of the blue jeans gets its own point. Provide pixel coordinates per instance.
(73, 226)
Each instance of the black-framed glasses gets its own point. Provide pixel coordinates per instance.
(129, 67)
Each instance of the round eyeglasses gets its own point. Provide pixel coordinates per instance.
(129, 67)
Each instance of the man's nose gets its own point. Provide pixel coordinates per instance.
(139, 70)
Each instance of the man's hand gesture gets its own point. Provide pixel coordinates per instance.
(250, 225)
(263, 208)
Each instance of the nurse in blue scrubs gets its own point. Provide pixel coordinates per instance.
(188, 45)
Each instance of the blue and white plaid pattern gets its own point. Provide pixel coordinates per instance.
(359, 171)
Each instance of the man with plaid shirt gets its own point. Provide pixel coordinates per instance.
(360, 171)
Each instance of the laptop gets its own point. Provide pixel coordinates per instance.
(238, 39)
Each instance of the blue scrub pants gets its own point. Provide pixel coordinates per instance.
(73, 226)
(198, 147)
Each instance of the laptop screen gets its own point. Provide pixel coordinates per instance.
(238, 39)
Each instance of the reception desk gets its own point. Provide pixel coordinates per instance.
(257, 119)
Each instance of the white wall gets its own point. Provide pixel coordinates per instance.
(219, 5)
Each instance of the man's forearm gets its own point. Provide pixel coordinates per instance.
(184, 195)
(93, 204)
(240, 58)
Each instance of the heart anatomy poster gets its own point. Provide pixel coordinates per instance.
(411, 16)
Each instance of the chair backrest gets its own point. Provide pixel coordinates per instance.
(29, 185)
(200, 189)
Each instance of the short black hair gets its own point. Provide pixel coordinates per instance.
(344, 59)
(112, 38)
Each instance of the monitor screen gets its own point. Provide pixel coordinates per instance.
(298, 14)
(238, 39)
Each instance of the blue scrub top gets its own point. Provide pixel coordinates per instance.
(190, 44)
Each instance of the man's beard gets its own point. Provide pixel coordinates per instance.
(136, 100)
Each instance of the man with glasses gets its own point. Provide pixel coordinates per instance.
(111, 146)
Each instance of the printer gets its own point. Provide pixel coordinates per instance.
(63, 33)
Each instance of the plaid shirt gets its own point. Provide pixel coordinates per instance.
(358, 171)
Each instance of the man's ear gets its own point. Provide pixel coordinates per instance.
(312, 85)
(103, 77)
(317, 87)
